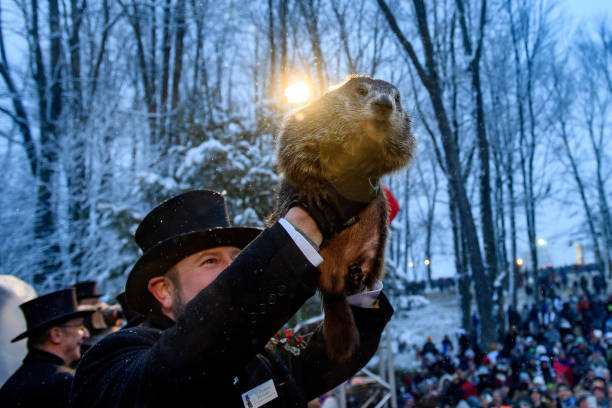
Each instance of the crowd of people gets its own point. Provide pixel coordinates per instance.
(557, 354)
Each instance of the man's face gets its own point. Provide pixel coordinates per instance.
(74, 332)
(197, 271)
(564, 393)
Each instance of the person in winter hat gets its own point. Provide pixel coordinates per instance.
(213, 296)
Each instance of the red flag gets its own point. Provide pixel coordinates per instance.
(392, 205)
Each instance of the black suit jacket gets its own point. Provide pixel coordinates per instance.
(216, 350)
(43, 380)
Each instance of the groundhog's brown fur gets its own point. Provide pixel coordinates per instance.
(352, 135)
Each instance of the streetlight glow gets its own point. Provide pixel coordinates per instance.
(541, 242)
(426, 262)
(519, 261)
(297, 93)
(410, 264)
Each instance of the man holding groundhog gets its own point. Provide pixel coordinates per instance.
(214, 295)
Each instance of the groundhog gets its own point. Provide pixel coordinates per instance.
(350, 137)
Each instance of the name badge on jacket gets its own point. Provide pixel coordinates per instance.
(260, 395)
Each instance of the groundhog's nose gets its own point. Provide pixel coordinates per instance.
(383, 103)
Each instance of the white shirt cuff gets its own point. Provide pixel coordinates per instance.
(307, 249)
(367, 298)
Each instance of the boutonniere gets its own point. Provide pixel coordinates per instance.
(289, 341)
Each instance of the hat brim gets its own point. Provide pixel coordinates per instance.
(160, 258)
(52, 322)
(134, 321)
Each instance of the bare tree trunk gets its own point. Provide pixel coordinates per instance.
(49, 106)
(596, 144)
(146, 63)
(195, 7)
(107, 24)
(20, 116)
(461, 259)
(341, 20)
(463, 284)
(505, 278)
(511, 200)
(528, 183)
(431, 193)
(595, 53)
(430, 78)
(76, 15)
(310, 11)
(177, 68)
(76, 178)
(272, 45)
(166, 47)
(526, 148)
(283, 42)
(407, 229)
(486, 208)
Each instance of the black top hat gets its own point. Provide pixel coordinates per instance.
(179, 227)
(49, 310)
(86, 289)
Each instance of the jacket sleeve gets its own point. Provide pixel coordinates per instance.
(313, 370)
(221, 329)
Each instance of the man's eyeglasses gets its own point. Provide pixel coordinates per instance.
(80, 327)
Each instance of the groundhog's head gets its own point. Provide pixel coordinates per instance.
(356, 129)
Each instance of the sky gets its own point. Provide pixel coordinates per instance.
(587, 8)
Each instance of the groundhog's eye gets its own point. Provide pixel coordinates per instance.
(362, 90)
(397, 98)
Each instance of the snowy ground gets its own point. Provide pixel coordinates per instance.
(435, 314)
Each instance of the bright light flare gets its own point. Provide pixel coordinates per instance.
(519, 261)
(541, 242)
(426, 262)
(297, 93)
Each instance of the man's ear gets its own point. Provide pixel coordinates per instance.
(161, 288)
(55, 334)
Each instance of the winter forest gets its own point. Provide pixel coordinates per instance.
(109, 107)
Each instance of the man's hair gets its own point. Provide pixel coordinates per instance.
(38, 338)
(562, 385)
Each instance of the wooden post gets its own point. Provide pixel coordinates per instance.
(390, 369)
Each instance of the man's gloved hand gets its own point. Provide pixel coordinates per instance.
(339, 203)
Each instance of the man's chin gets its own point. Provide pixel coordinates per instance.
(178, 307)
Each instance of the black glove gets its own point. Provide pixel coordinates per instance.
(333, 211)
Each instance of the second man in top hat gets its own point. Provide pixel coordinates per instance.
(55, 332)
